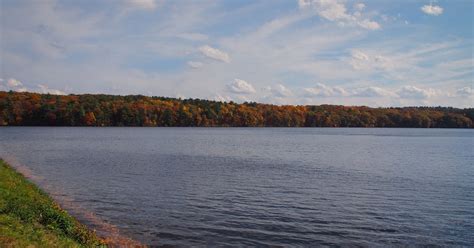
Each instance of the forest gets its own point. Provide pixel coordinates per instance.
(33, 109)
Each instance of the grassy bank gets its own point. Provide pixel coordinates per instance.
(30, 218)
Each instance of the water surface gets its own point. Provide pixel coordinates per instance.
(260, 186)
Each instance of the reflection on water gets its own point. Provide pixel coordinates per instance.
(262, 186)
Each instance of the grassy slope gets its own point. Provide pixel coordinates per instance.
(30, 218)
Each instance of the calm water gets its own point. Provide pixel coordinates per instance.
(261, 187)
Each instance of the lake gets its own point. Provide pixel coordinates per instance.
(258, 186)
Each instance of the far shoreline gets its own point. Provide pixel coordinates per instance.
(238, 127)
(33, 109)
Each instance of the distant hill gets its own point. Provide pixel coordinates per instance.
(32, 109)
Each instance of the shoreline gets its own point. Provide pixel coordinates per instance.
(260, 128)
(29, 216)
(32, 109)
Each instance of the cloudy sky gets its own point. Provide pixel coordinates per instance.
(367, 52)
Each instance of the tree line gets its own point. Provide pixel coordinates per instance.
(32, 109)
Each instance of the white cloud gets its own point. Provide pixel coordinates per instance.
(405, 92)
(409, 91)
(336, 11)
(374, 92)
(465, 91)
(276, 25)
(214, 53)
(221, 98)
(143, 4)
(364, 61)
(21, 89)
(11, 82)
(240, 86)
(280, 91)
(368, 24)
(16, 85)
(432, 10)
(45, 89)
(180, 96)
(303, 3)
(359, 55)
(331, 10)
(195, 64)
(359, 6)
(325, 91)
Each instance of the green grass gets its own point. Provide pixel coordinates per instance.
(30, 218)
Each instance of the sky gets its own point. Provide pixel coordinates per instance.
(371, 52)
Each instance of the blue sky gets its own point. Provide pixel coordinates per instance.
(376, 53)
